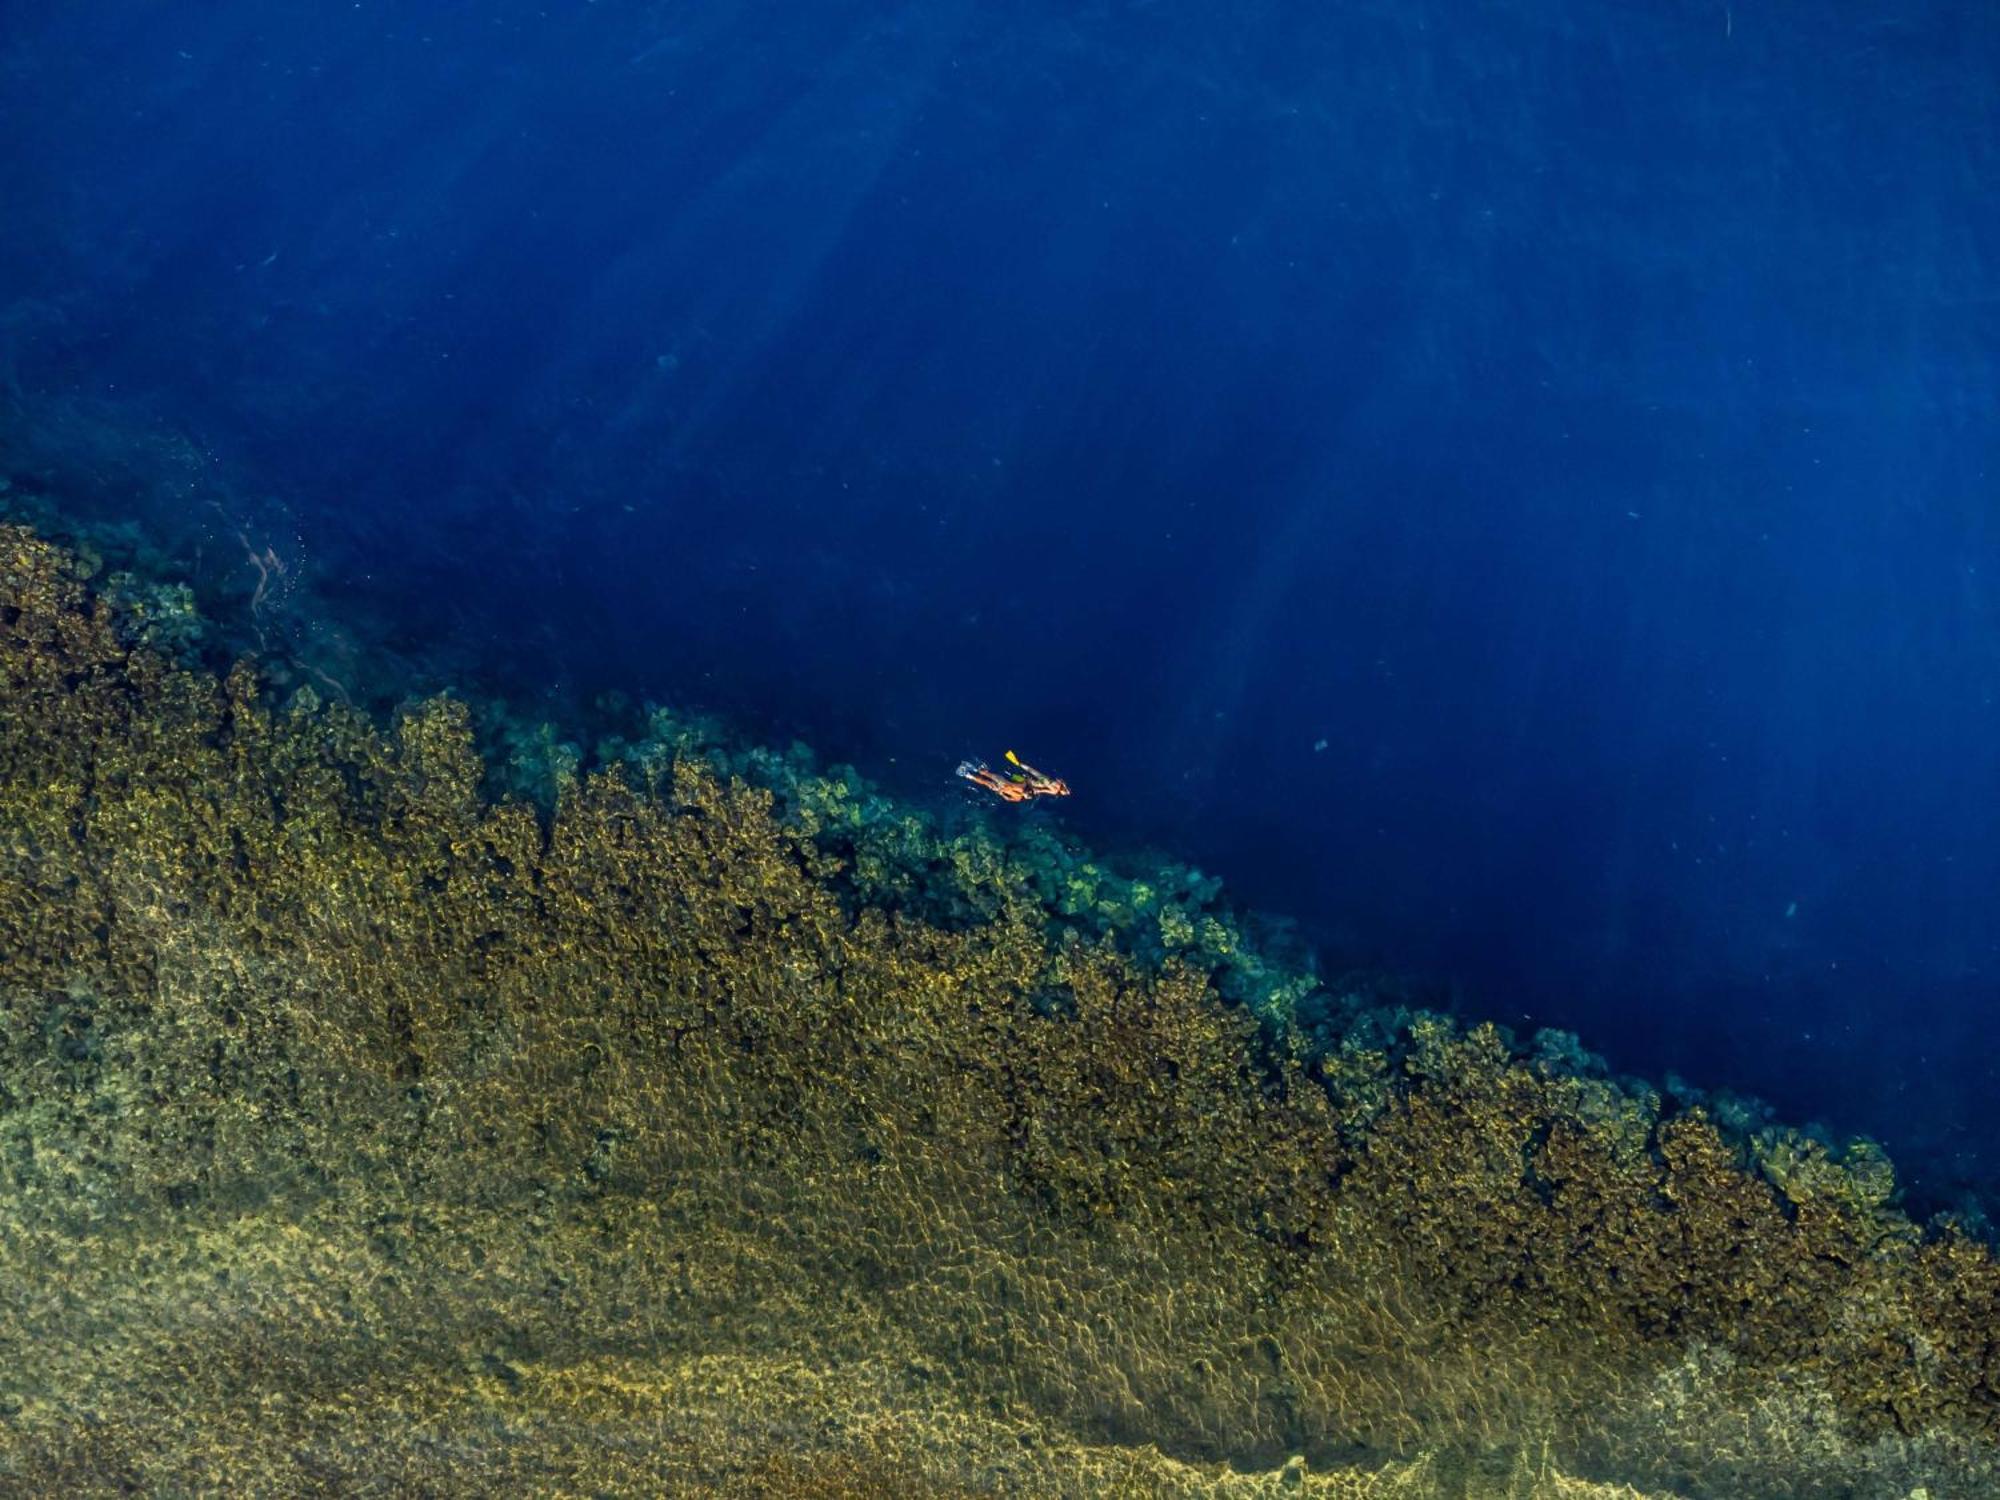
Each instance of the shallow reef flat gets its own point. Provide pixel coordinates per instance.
(722, 1129)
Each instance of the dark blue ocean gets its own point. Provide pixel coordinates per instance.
(1507, 483)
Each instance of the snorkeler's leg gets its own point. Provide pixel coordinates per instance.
(984, 776)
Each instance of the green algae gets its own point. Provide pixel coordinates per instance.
(379, 1114)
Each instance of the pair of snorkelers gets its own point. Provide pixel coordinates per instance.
(1022, 784)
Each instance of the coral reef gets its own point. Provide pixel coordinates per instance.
(720, 1127)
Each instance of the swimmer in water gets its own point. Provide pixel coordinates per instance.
(1022, 784)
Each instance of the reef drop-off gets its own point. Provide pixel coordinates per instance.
(716, 1130)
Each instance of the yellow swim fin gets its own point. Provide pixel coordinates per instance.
(1014, 759)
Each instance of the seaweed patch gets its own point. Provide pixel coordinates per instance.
(716, 1125)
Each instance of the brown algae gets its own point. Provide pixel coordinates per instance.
(362, 1132)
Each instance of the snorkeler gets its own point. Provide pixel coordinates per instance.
(1022, 784)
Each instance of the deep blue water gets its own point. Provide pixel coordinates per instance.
(1509, 483)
